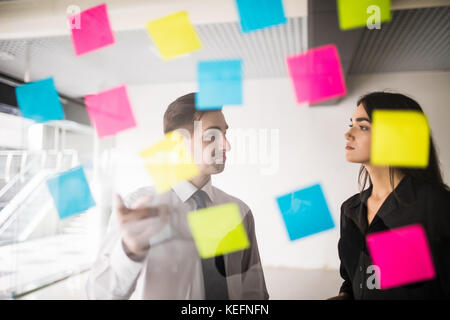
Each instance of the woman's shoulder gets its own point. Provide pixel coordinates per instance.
(352, 201)
(439, 193)
(355, 200)
(437, 201)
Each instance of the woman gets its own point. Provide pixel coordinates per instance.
(395, 197)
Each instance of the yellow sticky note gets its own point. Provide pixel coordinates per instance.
(363, 13)
(169, 162)
(218, 230)
(174, 35)
(400, 138)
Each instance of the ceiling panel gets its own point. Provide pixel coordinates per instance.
(414, 40)
(133, 59)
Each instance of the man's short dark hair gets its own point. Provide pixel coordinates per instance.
(182, 113)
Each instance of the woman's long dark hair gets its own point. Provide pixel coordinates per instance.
(395, 101)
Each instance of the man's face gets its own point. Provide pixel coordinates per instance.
(209, 144)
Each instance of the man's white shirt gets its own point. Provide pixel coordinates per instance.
(172, 268)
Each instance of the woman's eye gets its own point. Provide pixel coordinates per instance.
(363, 128)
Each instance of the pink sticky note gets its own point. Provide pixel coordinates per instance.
(402, 255)
(91, 29)
(317, 74)
(110, 111)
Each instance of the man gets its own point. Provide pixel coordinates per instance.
(149, 253)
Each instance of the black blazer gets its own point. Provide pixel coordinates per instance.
(425, 204)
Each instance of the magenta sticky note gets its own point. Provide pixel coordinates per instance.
(110, 111)
(402, 256)
(91, 29)
(317, 74)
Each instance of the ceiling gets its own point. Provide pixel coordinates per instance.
(134, 60)
(415, 40)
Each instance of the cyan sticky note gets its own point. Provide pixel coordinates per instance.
(258, 14)
(305, 212)
(205, 107)
(402, 256)
(39, 101)
(70, 192)
(110, 111)
(356, 14)
(317, 74)
(219, 83)
(93, 31)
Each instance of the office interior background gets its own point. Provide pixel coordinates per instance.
(289, 145)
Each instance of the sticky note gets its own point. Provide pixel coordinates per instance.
(110, 111)
(400, 138)
(94, 30)
(317, 74)
(258, 14)
(207, 107)
(305, 212)
(218, 230)
(219, 83)
(174, 35)
(355, 14)
(70, 192)
(39, 101)
(169, 162)
(402, 256)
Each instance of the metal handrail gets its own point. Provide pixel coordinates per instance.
(9, 211)
(12, 181)
(16, 178)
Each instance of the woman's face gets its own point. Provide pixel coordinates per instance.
(358, 137)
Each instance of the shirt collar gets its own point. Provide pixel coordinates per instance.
(184, 190)
(357, 208)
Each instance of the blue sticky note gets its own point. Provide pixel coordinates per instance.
(258, 14)
(219, 83)
(70, 192)
(39, 101)
(305, 212)
(205, 107)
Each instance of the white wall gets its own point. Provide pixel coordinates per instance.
(13, 131)
(311, 149)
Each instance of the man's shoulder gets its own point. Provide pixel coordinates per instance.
(223, 197)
